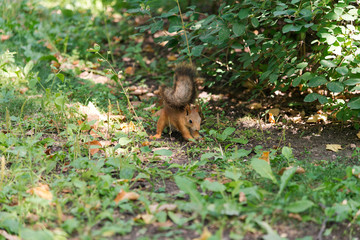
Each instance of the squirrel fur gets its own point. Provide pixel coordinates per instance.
(178, 110)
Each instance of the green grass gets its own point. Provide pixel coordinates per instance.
(182, 188)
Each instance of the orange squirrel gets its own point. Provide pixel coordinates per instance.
(177, 110)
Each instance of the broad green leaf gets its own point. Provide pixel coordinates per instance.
(255, 22)
(285, 178)
(296, 81)
(60, 76)
(28, 67)
(9, 222)
(287, 152)
(291, 28)
(301, 65)
(213, 186)
(322, 99)
(354, 103)
(224, 34)
(244, 13)
(342, 70)
(29, 234)
(348, 17)
(196, 51)
(59, 102)
(311, 97)
(271, 234)
(124, 141)
(263, 169)
(317, 81)
(352, 81)
(163, 152)
(338, 10)
(327, 63)
(299, 206)
(330, 39)
(238, 29)
(335, 87)
(189, 188)
(233, 174)
(228, 131)
(158, 26)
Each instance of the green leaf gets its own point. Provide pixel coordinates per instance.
(159, 26)
(163, 152)
(287, 152)
(291, 28)
(123, 141)
(352, 81)
(213, 186)
(354, 103)
(263, 169)
(330, 39)
(187, 186)
(299, 206)
(60, 76)
(317, 81)
(301, 65)
(244, 13)
(238, 29)
(342, 70)
(255, 22)
(29, 234)
(348, 17)
(96, 47)
(59, 102)
(311, 97)
(28, 67)
(224, 34)
(327, 63)
(335, 87)
(196, 51)
(285, 178)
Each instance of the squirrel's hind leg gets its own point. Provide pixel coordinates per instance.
(161, 124)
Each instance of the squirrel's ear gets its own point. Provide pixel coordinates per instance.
(197, 107)
(187, 109)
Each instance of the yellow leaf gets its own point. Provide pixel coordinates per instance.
(333, 147)
(126, 195)
(204, 235)
(42, 191)
(358, 134)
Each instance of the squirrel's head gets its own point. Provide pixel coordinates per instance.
(192, 117)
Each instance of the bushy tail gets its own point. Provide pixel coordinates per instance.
(184, 90)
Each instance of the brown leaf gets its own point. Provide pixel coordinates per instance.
(8, 236)
(23, 90)
(42, 191)
(126, 195)
(93, 150)
(147, 218)
(265, 156)
(166, 224)
(358, 134)
(299, 170)
(295, 216)
(130, 70)
(255, 106)
(171, 57)
(274, 111)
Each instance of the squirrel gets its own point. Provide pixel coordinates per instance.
(178, 110)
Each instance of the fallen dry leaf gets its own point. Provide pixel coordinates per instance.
(274, 111)
(130, 70)
(333, 147)
(166, 224)
(204, 235)
(271, 118)
(242, 197)
(295, 216)
(42, 191)
(172, 58)
(91, 145)
(299, 170)
(147, 218)
(5, 37)
(8, 236)
(358, 134)
(265, 156)
(317, 118)
(126, 195)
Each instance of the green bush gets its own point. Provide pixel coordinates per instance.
(282, 44)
